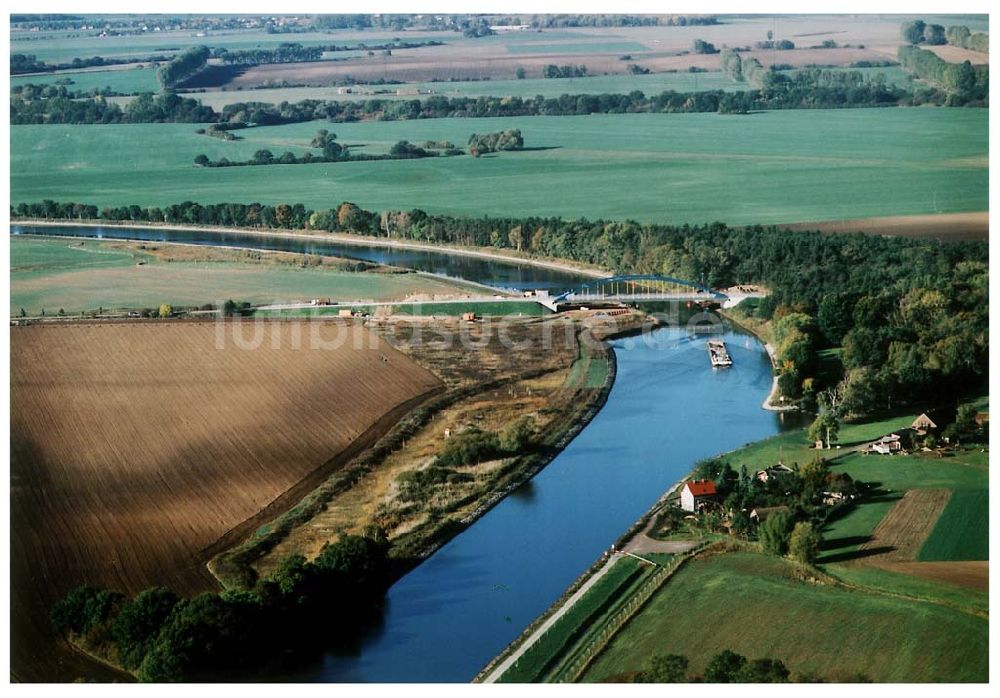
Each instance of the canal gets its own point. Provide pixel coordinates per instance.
(667, 409)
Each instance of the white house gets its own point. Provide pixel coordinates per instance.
(696, 493)
(887, 445)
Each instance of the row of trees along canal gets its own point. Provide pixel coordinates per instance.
(908, 318)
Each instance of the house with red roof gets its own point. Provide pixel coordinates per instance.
(696, 493)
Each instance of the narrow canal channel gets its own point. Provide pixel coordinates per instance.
(668, 408)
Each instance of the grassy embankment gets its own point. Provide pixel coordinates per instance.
(486, 389)
(841, 163)
(76, 275)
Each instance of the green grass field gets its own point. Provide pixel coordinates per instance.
(673, 168)
(962, 531)
(754, 605)
(51, 274)
(126, 80)
(962, 598)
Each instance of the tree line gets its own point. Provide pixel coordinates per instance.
(162, 637)
(143, 109)
(293, 52)
(920, 32)
(21, 63)
(481, 143)
(962, 81)
(725, 667)
(182, 66)
(564, 71)
(811, 90)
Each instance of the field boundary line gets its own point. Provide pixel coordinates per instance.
(598, 644)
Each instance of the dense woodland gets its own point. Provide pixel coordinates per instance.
(234, 634)
(911, 315)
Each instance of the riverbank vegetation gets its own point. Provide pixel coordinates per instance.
(161, 637)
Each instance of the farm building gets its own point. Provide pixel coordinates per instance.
(923, 424)
(887, 445)
(696, 494)
(775, 470)
(832, 498)
(982, 418)
(468, 317)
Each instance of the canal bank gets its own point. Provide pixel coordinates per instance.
(464, 604)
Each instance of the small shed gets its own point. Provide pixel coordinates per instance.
(345, 312)
(468, 317)
(696, 493)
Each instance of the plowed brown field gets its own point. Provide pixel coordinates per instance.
(136, 447)
(904, 529)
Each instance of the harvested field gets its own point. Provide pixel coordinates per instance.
(904, 529)
(957, 54)
(971, 574)
(137, 447)
(942, 226)
(462, 62)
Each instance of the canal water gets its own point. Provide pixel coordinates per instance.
(668, 408)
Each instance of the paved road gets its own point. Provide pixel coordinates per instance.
(507, 663)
